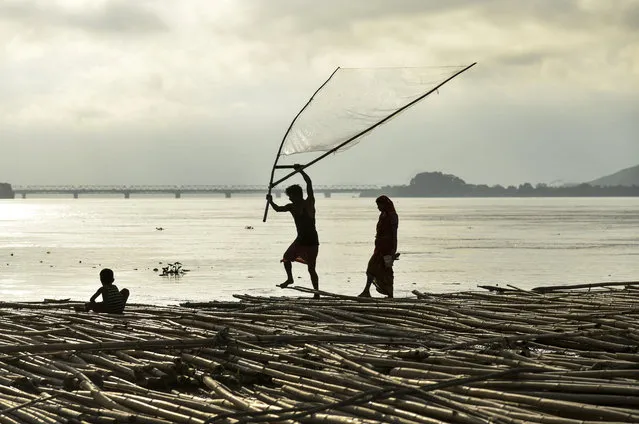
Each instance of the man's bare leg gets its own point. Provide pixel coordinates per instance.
(314, 279)
(288, 267)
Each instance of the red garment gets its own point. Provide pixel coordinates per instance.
(385, 244)
(297, 252)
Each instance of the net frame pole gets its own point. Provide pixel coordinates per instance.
(334, 149)
(279, 151)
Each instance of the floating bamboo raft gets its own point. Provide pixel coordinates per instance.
(505, 356)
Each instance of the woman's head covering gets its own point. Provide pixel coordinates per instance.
(385, 204)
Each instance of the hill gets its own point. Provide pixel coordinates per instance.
(625, 177)
(5, 191)
(438, 184)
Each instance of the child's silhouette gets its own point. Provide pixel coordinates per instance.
(113, 300)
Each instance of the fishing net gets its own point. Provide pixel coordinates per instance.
(354, 100)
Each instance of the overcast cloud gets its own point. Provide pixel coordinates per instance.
(201, 92)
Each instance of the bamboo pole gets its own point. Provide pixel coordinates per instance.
(277, 356)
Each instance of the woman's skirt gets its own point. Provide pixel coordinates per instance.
(382, 275)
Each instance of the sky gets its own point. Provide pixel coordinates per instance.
(117, 92)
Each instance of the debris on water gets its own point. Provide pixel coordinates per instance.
(173, 270)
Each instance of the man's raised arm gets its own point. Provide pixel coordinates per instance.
(309, 184)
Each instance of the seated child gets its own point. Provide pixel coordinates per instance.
(113, 300)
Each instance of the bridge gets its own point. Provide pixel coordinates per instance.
(177, 191)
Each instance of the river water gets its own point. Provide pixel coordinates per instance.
(55, 247)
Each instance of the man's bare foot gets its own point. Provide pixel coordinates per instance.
(365, 293)
(285, 284)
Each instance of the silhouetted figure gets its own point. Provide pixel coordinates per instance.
(305, 247)
(113, 300)
(380, 265)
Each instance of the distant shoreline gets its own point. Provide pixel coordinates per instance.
(443, 196)
(437, 184)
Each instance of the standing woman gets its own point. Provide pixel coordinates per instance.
(380, 265)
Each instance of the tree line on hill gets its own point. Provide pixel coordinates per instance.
(437, 184)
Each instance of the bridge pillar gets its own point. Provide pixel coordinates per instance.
(227, 194)
(178, 194)
(327, 194)
(127, 194)
(24, 195)
(76, 195)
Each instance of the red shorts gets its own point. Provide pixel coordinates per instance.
(301, 253)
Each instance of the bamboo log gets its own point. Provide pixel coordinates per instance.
(302, 354)
(150, 409)
(548, 289)
(576, 409)
(102, 346)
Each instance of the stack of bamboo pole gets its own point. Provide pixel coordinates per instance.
(511, 356)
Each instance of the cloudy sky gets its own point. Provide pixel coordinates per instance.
(201, 91)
